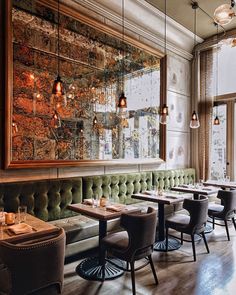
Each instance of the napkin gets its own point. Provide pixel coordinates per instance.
(116, 208)
(20, 228)
(88, 202)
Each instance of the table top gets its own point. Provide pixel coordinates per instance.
(220, 183)
(38, 227)
(200, 190)
(100, 213)
(166, 198)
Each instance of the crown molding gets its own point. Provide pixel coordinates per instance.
(179, 39)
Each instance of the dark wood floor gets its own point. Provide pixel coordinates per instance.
(212, 274)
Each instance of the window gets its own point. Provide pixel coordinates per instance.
(218, 146)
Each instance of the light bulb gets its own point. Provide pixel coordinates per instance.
(216, 121)
(58, 88)
(164, 115)
(122, 103)
(194, 123)
(56, 120)
(223, 14)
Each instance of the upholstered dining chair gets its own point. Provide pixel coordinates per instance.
(191, 224)
(135, 243)
(36, 265)
(225, 211)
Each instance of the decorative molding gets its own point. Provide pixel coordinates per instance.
(179, 39)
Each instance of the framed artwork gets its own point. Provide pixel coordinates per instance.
(83, 125)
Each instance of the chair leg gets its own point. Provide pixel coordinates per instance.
(127, 265)
(213, 222)
(153, 269)
(234, 222)
(205, 242)
(227, 229)
(133, 277)
(166, 239)
(182, 238)
(193, 246)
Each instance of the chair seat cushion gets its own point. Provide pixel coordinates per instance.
(178, 221)
(214, 208)
(116, 241)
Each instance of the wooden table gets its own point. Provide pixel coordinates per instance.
(196, 191)
(165, 199)
(39, 227)
(91, 268)
(221, 184)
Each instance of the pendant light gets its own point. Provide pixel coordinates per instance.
(164, 113)
(58, 88)
(224, 13)
(194, 123)
(14, 128)
(56, 120)
(122, 103)
(217, 120)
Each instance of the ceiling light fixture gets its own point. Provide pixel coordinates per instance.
(164, 113)
(58, 88)
(194, 123)
(122, 103)
(224, 14)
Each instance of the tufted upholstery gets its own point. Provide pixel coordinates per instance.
(48, 199)
(119, 186)
(45, 199)
(165, 179)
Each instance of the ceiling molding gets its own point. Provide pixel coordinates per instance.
(143, 19)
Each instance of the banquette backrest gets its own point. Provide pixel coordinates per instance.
(119, 186)
(46, 199)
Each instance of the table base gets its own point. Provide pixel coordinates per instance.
(208, 229)
(173, 244)
(90, 269)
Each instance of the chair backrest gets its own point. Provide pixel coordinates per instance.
(141, 228)
(228, 200)
(35, 263)
(198, 210)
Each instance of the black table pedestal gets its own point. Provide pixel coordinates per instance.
(92, 268)
(160, 245)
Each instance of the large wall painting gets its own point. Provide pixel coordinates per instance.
(88, 125)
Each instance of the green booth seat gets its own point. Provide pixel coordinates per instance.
(48, 200)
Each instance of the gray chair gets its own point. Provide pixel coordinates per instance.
(191, 224)
(136, 242)
(225, 211)
(36, 265)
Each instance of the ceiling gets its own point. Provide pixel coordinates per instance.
(182, 12)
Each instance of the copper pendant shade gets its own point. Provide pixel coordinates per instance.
(216, 121)
(58, 88)
(122, 103)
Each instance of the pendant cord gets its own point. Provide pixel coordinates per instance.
(123, 49)
(217, 64)
(194, 45)
(165, 29)
(58, 39)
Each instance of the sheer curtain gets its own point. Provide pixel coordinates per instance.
(203, 93)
